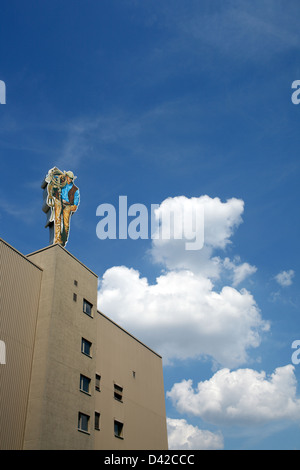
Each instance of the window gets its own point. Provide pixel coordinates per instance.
(84, 384)
(133, 374)
(118, 429)
(118, 392)
(83, 422)
(86, 347)
(87, 307)
(97, 382)
(75, 297)
(75, 283)
(97, 421)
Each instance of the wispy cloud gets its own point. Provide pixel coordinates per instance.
(24, 214)
(285, 278)
(236, 28)
(77, 143)
(240, 271)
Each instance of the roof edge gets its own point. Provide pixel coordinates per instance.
(66, 251)
(129, 334)
(20, 254)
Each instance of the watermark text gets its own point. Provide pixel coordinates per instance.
(296, 94)
(136, 222)
(2, 92)
(2, 353)
(296, 354)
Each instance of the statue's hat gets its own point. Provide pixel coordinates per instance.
(70, 174)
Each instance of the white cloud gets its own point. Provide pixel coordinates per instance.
(285, 278)
(220, 221)
(184, 436)
(239, 271)
(181, 316)
(241, 397)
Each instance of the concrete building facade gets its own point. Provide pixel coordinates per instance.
(72, 378)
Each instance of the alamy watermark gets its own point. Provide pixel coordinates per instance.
(182, 223)
(296, 354)
(2, 92)
(2, 353)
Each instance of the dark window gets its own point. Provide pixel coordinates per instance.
(118, 392)
(118, 429)
(86, 347)
(84, 384)
(97, 420)
(75, 297)
(75, 283)
(97, 382)
(87, 307)
(83, 422)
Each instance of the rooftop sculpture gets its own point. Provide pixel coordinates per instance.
(61, 200)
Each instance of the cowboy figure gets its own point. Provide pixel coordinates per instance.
(66, 202)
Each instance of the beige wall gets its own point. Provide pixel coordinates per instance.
(123, 360)
(55, 399)
(19, 296)
(42, 326)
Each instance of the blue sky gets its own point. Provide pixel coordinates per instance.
(172, 101)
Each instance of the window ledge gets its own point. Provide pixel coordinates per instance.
(88, 315)
(86, 393)
(84, 432)
(88, 355)
(117, 399)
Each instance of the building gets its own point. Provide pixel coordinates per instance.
(72, 378)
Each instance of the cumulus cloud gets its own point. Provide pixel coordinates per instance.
(241, 397)
(220, 221)
(184, 436)
(285, 278)
(181, 316)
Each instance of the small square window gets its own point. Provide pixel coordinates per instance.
(75, 283)
(83, 422)
(86, 347)
(84, 385)
(97, 382)
(97, 421)
(118, 429)
(87, 307)
(118, 392)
